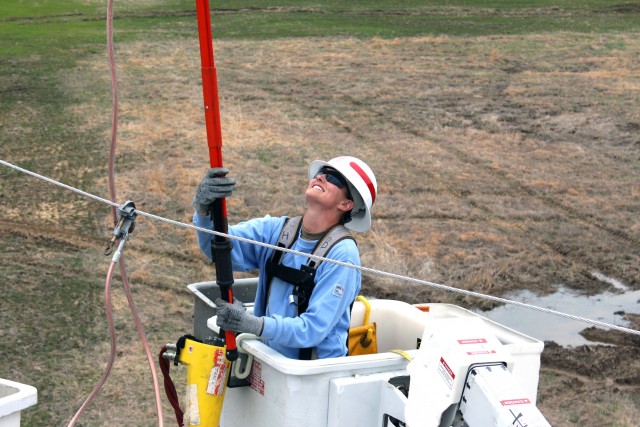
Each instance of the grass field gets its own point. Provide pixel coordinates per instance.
(504, 136)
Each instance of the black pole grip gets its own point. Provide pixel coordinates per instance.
(221, 251)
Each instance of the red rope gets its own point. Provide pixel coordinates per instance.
(112, 193)
(112, 353)
(114, 109)
(169, 387)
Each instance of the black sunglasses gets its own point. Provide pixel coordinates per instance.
(333, 177)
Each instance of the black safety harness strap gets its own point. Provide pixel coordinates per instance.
(302, 279)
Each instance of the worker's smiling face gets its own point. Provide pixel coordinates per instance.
(329, 187)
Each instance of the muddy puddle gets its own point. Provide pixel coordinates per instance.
(607, 307)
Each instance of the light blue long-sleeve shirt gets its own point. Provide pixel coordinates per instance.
(325, 324)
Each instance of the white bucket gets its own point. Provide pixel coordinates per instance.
(14, 397)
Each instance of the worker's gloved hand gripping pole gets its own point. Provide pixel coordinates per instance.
(221, 246)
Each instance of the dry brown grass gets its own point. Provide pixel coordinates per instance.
(503, 163)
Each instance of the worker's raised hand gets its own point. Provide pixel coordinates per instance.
(234, 317)
(214, 185)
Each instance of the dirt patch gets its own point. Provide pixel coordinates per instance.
(597, 363)
(622, 8)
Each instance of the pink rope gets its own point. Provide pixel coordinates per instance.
(123, 272)
(112, 353)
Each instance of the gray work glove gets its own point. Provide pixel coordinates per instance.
(234, 317)
(214, 185)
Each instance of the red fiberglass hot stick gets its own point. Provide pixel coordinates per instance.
(221, 246)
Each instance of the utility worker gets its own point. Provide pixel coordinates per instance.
(340, 194)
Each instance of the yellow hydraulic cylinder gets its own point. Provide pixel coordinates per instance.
(207, 374)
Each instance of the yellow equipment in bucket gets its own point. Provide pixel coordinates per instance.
(207, 374)
(363, 339)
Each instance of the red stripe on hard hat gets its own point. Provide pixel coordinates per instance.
(366, 180)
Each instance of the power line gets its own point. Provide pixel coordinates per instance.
(341, 263)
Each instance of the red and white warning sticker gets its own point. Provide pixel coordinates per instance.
(218, 375)
(446, 373)
(257, 383)
(509, 402)
(474, 353)
(472, 341)
(480, 342)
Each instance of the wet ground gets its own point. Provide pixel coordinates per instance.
(608, 307)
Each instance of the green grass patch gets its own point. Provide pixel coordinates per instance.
(270, 19)
(403, 4)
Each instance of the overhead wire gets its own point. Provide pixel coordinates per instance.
(345, 264)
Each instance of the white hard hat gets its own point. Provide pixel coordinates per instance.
(362, 186)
